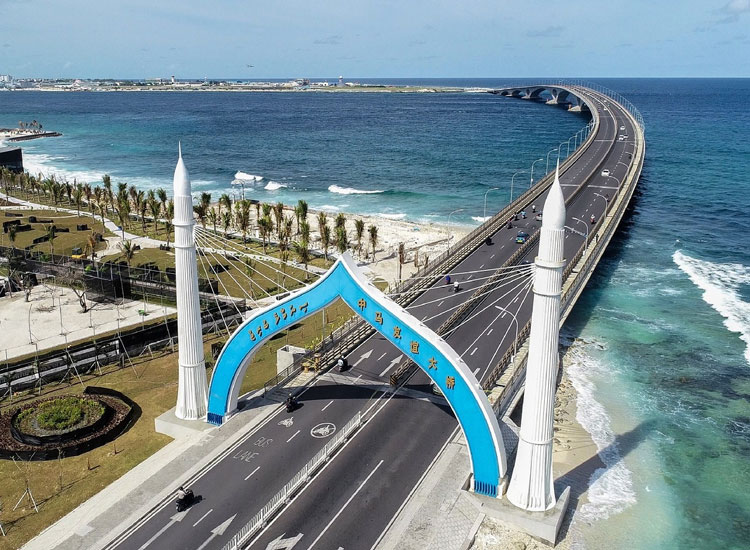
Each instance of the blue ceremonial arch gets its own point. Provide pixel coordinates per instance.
(441, 363)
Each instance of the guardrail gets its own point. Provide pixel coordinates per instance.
(303, 476)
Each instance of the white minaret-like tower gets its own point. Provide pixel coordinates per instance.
(191, 392)
(531, 486)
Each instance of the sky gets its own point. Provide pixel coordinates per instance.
(376, 39)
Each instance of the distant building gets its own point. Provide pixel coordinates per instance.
(11, 158)
(172, 79)
(341, 82)
(6, 78)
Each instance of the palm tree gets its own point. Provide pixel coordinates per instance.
(303, 251)
(401, 258)
(322, 221)
(12, 237)
(213, 217)
(341, 239)
(128, 250)
(168, 229)
(302, 209)
(265, 225)
(155, 206)
(325, 239)
(226, 220)
(77, 198)
(278, 212)
(88, 193)
(373, 230)
(225, 201)
(123, 213)
(91, 247)
(142, 207)
(51, 230)
(242, 217)
(162, 196)
(359, 228)
(200, 211)
(305, 231)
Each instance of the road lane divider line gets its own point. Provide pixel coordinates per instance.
(251, 473)
(334, 518)
(295, 435)
(329, 404)
(203, 517)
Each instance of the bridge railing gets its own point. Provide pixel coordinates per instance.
(303, 476)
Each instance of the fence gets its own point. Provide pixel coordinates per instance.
(282, 497)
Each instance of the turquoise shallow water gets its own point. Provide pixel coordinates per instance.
(662, 362)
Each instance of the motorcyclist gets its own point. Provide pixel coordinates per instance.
(593, 219)
(455, 286)
(181, 493)
(447, 279)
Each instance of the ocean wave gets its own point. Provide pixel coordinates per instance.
(390, 216)
(610, 488)
(351, 190)
(273, 186)
(480, 219)
(40, 163)
(721, 290)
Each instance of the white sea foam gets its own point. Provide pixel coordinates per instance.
(350, 190)
(720, 284)
(273, 186)
(330, 207)
(244, 176)
(610, 488)
(480, 219)
(390, 216)
(40, 163)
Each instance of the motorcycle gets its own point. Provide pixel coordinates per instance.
(185, 502)
(291, 404)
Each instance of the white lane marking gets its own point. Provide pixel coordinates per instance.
(490, 331)
(295, 435)
(248, 476)
(390, 366)
(379, 358)
(476, 370)
(492, 256)
(481, 266)
(179, 516)
(334, 518)
(473, 352)
(203, 517)
(441, 303)
(329, 404)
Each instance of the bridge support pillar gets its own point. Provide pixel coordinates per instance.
(555, 94)
(531, 487)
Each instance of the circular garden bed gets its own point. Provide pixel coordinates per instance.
(67, 425)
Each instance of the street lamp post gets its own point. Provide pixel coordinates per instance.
(485, 199)
(531, 179)
(574, 148)
(547, 168)
(586, 247)
(449, 215)
(511, 182)
(606, 202)
(515, 341)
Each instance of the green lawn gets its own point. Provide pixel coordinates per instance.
(63, 242)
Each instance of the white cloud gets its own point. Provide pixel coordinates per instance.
(737, 6)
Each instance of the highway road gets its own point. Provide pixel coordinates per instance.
(354, 497)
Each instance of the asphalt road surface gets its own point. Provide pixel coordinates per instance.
(353, 498)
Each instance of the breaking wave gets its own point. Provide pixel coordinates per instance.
(244, 177)
(273, 186)
(721, 290)
(610, 488)
(350, 190)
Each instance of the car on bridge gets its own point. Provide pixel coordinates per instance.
(522, 237)
(605, 172)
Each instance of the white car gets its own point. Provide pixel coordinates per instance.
(605, 172)
(622, 127)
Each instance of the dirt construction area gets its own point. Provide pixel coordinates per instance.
(53, 317)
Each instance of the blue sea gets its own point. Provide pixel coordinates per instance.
(661, 338)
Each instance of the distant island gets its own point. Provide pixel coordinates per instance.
(8, 83)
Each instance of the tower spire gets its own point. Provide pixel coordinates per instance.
(531, 486)
(191, 390)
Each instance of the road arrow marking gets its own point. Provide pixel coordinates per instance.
(179, 516)
(217, 532)
(363, 357)
(283, 544)
(393, 363)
